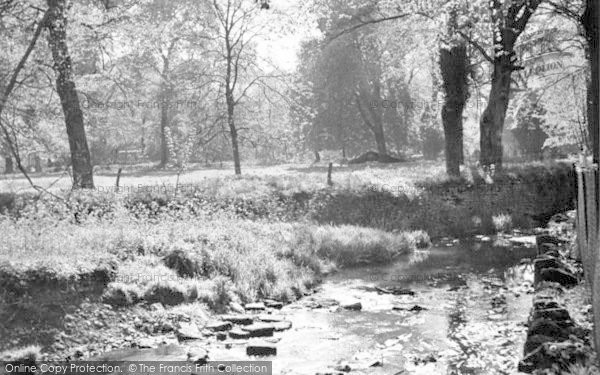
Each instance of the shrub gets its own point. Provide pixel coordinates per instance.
(167, 293)
(182, 263)
(352, 246)
(222, 293)
(121, 294)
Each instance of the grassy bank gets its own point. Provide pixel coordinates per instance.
(525, 196)
(209, 260)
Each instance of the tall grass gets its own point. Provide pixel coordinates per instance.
(277, 260)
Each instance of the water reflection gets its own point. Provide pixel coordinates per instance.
(476, 301)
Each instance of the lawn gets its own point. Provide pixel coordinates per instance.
(255, 180)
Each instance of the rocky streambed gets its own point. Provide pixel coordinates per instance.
(460, 307)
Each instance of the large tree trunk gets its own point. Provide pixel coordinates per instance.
(234, 135)
(453, 128)
(491, 125)
(380, 140)
(164, 121)
(8, 165)
(165, 101)
(590, 21)
(65, 86)
(454, 64)
(374, 123)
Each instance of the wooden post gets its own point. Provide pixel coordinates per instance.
(591, 206)
(580, 223)
(329, 170)
(587, 217)
(596, 74)
(118, 179)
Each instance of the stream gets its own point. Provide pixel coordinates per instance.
(476, 297)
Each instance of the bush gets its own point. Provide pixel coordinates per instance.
(120, 294)
(168, 293)
(182, 263)
(352, 246)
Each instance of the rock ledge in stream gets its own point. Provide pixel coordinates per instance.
(238, 319)
(353, 305)
(188, 331)
(259, 329)
(257, 306)
(261, 348)
(558, 275)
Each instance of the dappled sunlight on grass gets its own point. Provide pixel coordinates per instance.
(255, 181)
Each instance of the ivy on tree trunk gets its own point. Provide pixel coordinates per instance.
(65, 86)
(454, 64)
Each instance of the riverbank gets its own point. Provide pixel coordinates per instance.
(139, 265)
(559, 335)
(460, 305)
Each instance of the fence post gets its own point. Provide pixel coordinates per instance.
(581, 223)
(589, 183)
(118, 179)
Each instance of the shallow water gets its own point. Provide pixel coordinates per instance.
(477, 301)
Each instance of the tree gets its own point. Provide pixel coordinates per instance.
(529, 131)
(360, 82)
(509, 19)
(454, 67)
(454, 64)
(237, 27)
(369, 89)
(13, 13)
(589, 20)
(65, 86)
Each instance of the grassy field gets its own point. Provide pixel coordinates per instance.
(255, 180)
